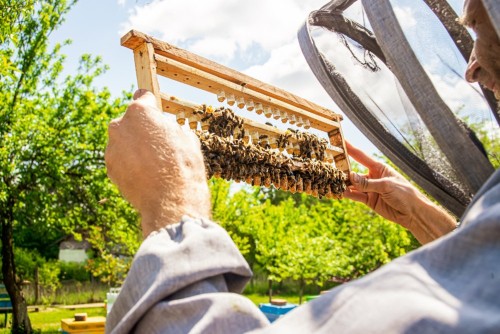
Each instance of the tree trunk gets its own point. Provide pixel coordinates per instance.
(37, 286)
(301, 291)
(270, 290)
(20, 322)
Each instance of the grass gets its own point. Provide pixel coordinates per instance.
(70, 293)
(258, 298)
(48, 320)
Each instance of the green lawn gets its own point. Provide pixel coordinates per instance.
(257, 299)
(48, 320)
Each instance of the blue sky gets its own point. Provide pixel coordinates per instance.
(95, 27)
(248, 36)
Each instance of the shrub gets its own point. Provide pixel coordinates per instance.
(73, 271)
(26, 261)
(49, 276)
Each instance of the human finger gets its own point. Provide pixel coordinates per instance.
(361, 156)
(364, 184)
(356, 195)
(145, 97)
(140, 93)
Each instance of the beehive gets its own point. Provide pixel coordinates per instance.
(238, 148)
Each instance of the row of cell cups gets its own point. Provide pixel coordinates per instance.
(254, 137)
(260, 109)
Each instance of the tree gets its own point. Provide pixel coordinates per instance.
(308, 259)
(53, 135)
(234, 212)
(299, 237)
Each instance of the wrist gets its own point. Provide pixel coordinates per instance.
(192, 200)
(430, 221)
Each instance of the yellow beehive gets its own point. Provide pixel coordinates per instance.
(92, 325)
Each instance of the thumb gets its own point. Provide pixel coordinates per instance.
(364, 184)
(145, 96)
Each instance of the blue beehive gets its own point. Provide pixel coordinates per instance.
(273, 312)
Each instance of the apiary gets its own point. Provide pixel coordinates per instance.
(238, 148)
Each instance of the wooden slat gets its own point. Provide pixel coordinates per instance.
(145, 69)
(172, 104)
(134, 38)
(153, 57)
(341, 161)
(178, 71)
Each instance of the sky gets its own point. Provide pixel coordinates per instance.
(257, 37)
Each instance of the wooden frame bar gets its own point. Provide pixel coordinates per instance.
(154, 57)
(145, 69)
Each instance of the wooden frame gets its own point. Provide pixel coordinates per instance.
(154, 57)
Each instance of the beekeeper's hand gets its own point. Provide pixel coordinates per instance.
(394, 198)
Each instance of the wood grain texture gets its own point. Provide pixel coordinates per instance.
(153, 57)
(135, 38)
(145, 69)
(178, 71)
(341, 161)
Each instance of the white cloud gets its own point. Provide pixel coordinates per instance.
(121, 2)
(218, 47)
(286, 68)
(259, 38)
(231, 25)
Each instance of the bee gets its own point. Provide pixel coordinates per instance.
(256, 180)
(217, 174)
(264, 141)
(314, 191)
(328, 192)
(267, 181)
(284, 182)
(246, 137)
(299, 186)
(292, 184)
(307, 186)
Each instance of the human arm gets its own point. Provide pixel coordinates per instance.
(390, 195)
(158, 167)
(186, 275)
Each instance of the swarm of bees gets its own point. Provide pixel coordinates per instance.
(233, 154)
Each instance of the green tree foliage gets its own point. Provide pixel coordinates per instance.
(304, 239)
(53, 136)
(490, 138)
(49, 276)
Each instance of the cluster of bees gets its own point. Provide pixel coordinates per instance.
(233, 153)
